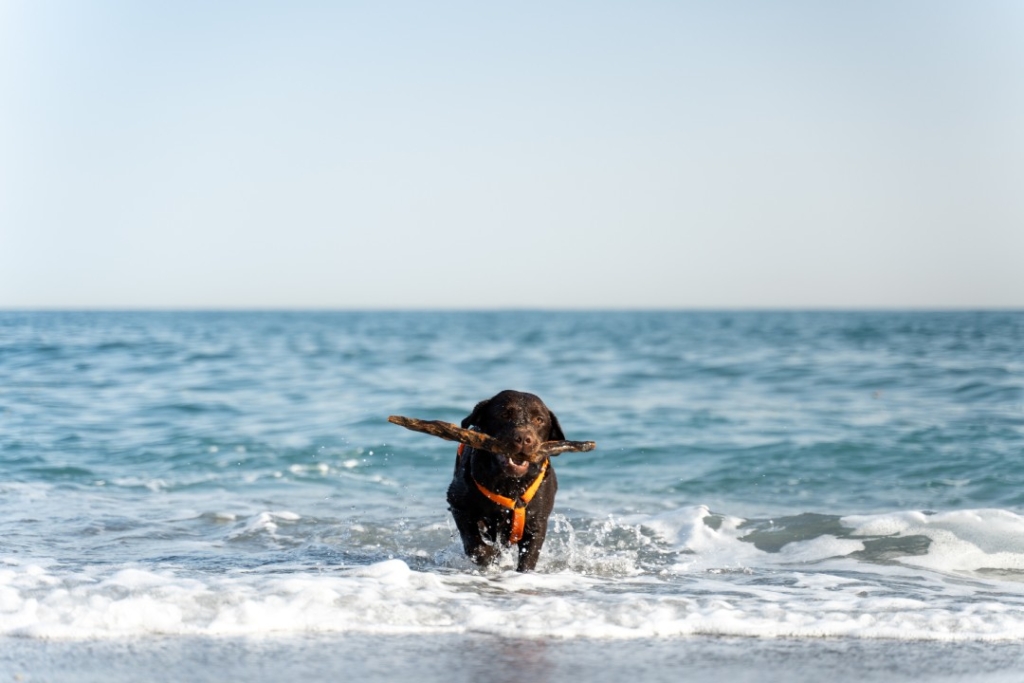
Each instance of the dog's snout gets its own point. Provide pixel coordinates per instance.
(526, 441)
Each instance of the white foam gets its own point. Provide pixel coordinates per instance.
(680, 572)
(701, 545)
(391, 597)
(154, 485)
(961, 541)
(264, 523)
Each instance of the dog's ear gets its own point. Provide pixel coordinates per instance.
(556, 429)
(473, 419)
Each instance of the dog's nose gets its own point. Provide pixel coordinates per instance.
(524, 440)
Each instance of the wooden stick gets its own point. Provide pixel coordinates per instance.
(483, 442)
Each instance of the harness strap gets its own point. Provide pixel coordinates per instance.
(516, 505)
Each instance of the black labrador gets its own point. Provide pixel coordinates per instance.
(499, 499)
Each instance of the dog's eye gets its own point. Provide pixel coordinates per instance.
(539, 419)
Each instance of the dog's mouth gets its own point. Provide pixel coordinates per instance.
(516, 464)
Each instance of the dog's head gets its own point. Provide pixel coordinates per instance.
(519, 419)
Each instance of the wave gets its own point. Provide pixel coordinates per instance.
(952, 576)
(965, 542)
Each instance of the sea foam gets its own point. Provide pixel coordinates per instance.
(720, 583)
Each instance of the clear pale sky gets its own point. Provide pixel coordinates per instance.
(490, 155)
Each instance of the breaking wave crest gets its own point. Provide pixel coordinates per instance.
(905, 575)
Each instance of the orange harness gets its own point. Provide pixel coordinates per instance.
(516, 505)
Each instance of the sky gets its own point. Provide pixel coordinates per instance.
(555, 155)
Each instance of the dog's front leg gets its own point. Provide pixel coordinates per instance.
(529, 548)
(477, 539)
(478, 547)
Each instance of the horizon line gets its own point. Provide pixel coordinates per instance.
(514, 309)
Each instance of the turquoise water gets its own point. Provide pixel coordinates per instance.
(758, 475)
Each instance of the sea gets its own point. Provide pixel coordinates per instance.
(775, 496)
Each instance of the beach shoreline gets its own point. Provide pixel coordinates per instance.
(455, 658)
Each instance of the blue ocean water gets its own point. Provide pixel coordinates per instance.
(763, 475)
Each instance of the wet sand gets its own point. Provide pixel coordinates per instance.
(470, 658)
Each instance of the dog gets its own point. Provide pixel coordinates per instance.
(501, 500)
